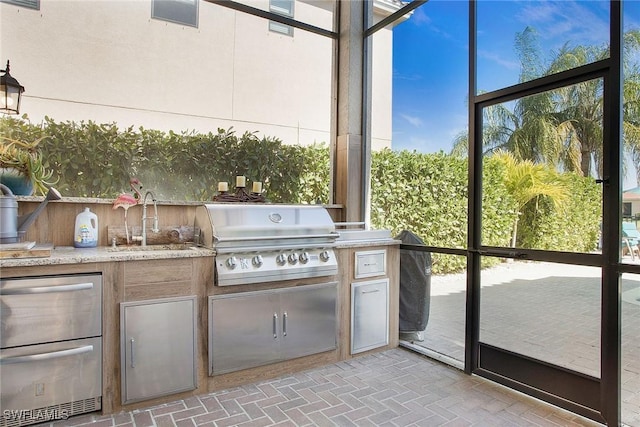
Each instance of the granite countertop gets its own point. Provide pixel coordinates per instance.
(70, 255)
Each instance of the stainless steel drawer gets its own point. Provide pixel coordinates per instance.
(39, 376)
(49, 309)
(370, 263)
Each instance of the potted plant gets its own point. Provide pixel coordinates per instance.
(22, 168)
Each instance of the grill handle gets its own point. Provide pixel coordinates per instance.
(276, 237)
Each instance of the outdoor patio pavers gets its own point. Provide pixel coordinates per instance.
(544, 310)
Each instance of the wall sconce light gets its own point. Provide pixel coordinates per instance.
(10, 93)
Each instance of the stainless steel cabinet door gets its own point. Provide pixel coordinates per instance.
(369, 315)
(46, 309)
(158, 347)
(308, 320)
(243, 331)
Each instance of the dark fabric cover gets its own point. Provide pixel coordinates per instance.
(415, 285)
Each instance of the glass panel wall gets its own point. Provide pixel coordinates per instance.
(542, 156)
(546, 311)
(419, 174)
(630, 249)
(630, 349)
(178, 107)
(521, 41)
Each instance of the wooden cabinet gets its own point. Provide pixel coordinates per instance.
(158, 347)
(260, 327)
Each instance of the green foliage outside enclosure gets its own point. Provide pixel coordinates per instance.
(424, 193)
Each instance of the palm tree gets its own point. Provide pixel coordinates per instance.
(527, 181)
(563, 128)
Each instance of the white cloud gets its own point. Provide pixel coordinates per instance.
(413, 120)
(498, 59)
(575, 22)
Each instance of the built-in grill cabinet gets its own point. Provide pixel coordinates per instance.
(257, 328)
(282, 246)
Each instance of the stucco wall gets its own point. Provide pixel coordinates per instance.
(109, 61)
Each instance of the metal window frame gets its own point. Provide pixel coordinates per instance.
(29, 4)
(278, 27)
(176, 21)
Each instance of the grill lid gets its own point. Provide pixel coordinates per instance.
(264, 225)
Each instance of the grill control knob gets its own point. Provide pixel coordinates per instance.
(281, 259)
(257, 260)
(232, 262)
(324, 256)
(293, 259)
(304, 257)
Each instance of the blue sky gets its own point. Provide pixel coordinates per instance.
(430, 63)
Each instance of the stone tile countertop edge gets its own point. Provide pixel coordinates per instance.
(70, 255)
(344, 244)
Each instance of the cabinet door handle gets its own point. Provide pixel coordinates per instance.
(275, 326)
(372, 291)
(133, 360)
(284, 324)
(47, 289)
(46, 356)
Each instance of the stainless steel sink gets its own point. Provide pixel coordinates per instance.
(168, 247)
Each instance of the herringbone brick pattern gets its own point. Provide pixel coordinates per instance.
(391, 388)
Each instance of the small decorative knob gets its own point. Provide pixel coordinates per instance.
(232, 262)
(304, 257)
(257, 260)
(293, 259)
(324, 256)
(281, 259)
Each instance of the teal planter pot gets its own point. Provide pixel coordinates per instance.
(17, 183)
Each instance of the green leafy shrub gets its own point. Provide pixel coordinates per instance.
(575, 229)
(427, 194)
(423, 193)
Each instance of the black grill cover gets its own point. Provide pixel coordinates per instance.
(415, 285)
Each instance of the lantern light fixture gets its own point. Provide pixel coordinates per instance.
(10, 93)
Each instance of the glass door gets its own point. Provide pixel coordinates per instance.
(540, 284)
(543, 317)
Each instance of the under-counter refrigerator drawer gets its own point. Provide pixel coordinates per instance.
(39, 376)
(48, 309)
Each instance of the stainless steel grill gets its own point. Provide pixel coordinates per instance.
(258, 243)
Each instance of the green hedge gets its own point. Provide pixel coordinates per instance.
(575, 229)
(97, 160)
(427, 194)
(424, 193)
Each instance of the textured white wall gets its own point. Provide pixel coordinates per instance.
(108, 61)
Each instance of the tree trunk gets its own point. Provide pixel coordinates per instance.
(585, 163)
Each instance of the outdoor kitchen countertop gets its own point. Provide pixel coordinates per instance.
(70, 255)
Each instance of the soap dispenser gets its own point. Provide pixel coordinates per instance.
(86, 230)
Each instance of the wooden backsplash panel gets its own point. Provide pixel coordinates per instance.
(56, 222)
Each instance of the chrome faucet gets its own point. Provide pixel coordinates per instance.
(155, 228)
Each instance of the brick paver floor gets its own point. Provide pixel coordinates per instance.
(392, 388)
(543, 310)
